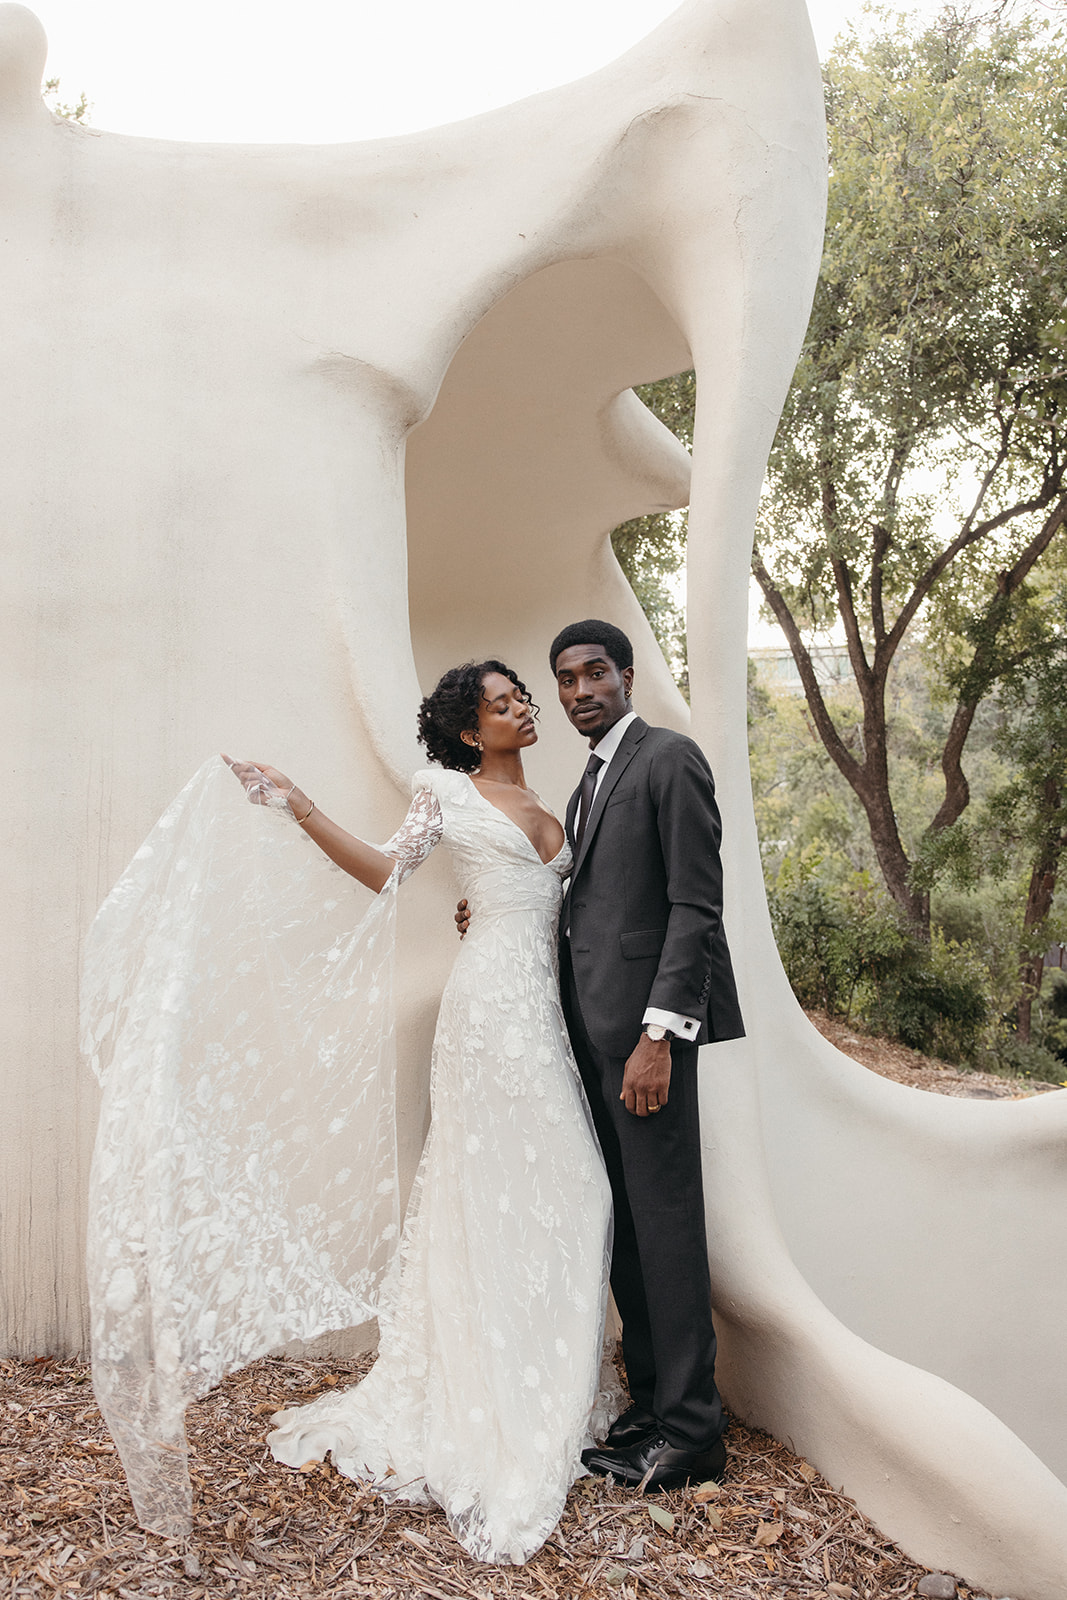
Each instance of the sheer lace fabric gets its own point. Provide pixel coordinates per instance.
(239, 1014)
(488, 1375)
(244, 1187)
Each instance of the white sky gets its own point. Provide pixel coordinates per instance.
(325, 70)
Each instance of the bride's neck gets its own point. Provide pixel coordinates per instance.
(505, 767)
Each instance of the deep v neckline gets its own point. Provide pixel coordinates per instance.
(517, 826)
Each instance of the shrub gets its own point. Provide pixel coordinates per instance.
(847, 950)
(831, 940)
(1007, 1054)
(933, 999)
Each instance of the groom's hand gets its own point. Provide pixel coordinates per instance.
(463, 917)
(647, 1077)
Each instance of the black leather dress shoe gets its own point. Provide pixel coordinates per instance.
(660, 1462)
(635, 1423)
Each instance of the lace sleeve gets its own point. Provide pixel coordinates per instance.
(416, 836)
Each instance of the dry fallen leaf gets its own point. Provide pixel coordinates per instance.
(707, 1491)
(662, 1519)
(768, 1533)
(418, 1539)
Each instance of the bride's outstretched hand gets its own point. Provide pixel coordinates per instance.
(266, 786)
(263, 785)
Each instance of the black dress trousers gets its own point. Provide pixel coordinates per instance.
(659, 1264)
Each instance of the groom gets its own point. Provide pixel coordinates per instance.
(646, 979)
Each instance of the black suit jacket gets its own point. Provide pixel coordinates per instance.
(644, 904)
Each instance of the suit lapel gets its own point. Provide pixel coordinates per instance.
(631, 739)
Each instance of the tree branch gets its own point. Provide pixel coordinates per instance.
(839, 753)
(881, 539)
(982, 672)
(969, 534)
(847, 608)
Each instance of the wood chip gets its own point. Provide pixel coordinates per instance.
(264, 1532)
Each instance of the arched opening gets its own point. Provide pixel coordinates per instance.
(535, 450)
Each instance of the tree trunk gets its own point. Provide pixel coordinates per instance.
(892, 857)
(1039, 904)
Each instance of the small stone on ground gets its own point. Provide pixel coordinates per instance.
(937, 1586)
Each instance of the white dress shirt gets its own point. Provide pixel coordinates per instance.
(681, 1027)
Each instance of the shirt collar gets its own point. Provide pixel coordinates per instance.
(613, 738)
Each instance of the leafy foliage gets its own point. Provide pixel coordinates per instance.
(1024, 819)
(918, 476)
(848, 951)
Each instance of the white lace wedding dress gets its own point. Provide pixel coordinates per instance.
(244, 1185)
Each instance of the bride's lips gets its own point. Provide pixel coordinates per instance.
(528, 725)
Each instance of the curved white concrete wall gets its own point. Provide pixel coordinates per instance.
(288, 430)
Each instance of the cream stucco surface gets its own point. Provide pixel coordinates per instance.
(287, 431)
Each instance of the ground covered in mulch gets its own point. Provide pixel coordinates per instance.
(896, 1061)
(773, 1529)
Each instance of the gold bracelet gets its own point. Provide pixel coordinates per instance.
(306, 815)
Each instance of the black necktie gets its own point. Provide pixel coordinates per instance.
(585, 801)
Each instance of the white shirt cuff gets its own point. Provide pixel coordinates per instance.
(681, 1027)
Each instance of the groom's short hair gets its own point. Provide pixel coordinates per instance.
(612, 641)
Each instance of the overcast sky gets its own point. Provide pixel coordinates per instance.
(337, 69)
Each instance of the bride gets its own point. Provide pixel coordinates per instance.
(491, 1310)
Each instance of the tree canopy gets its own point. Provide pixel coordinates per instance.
(917, 479)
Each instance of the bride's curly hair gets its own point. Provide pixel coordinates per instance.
(452, 710)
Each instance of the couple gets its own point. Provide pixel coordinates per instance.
(486, 1384)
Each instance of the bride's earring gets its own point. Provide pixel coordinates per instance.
(474, 740)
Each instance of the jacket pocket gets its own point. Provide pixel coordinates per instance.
(645, 942)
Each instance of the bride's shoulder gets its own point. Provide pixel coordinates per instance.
(442, 782)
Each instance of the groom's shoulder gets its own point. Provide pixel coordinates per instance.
(669, 742)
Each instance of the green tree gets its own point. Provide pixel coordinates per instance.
(918, 475)
(1020, 830)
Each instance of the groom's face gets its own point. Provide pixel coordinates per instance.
(593, 691)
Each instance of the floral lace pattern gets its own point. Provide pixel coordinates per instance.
(244, 1186)
(488, 1375)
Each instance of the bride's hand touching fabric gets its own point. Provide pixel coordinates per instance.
(266, 786)
(262, 784)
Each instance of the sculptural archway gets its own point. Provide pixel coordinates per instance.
(204, 535)
(537, 448)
